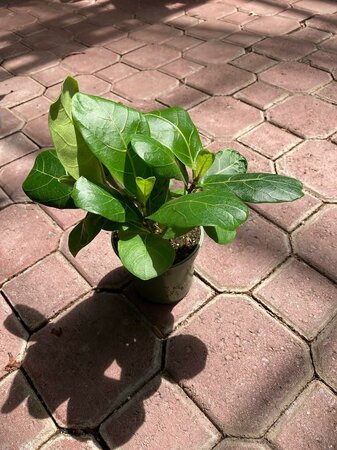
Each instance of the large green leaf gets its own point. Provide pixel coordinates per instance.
(85, 232)
(258, 187)
(158, 157)
(227, 162)
(72, 151)
(214, 207)
(44, 182)
(97, 200)
(159, 195)
(174, 129)
(220, 235)
(107, 127)
(145, 255)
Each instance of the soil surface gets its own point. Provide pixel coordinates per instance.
(185, 245)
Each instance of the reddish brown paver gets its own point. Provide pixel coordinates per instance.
(33, 109)
(4, 199)
(325, 22)
(165, 318)
(261, 95)
(31, 62)
(269, 140)
(51, 76)
(214, 10)
(9, 122)
(324, 351)
(272, 26)
(253, 62)
(247, 348)
(37, 129)
(37, 297)
(316, 241)
(14, 146)
(307, 162)
(22, 427)
(295, 77)
(220, 82)
(183, 43)
(155, 414)
(67, 442)
(27, 236)
(16, 90)
(258, 248)
(285, 48)
(240, 444)
(115, 355)
(13, 339)
(323, 60)
(155, 34)
(181, 68)
(328, 92)
(310, 423)
(311, 34)
(151, 56)
(65, 217)
(90, 60)
(212, 29)
(184, 96)
(116, 72)
(236, 118)
(306, 116)
(214, 52)
(300, 296)
(319, 7)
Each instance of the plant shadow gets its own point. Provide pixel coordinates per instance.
(89, 360)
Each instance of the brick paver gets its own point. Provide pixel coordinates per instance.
(257, 76)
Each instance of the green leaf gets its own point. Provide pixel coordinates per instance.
(145, 256)
(72, 151)
(85, 232)
(204, 162)
(158, 157)
(174, 129)
(227, 162)
(44, 182)
(258, 187)
(145, 187)
(107, 127)
(214, 207)
(220, 235)
(159, 195)
(109, 204)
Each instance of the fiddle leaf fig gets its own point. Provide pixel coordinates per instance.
(45, 182)
(145, 177)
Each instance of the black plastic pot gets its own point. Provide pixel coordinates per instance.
(171, 286)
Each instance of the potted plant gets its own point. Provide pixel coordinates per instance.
(148, 179)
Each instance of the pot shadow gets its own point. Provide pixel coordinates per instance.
(89, 360)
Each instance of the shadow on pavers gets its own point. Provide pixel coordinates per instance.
(90, 359)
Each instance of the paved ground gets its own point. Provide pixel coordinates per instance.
(249, 359)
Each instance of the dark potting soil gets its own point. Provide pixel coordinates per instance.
(184, 245)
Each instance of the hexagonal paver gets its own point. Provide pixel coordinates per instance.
(145, 85)
(22, 427)
(320, 7)
(257, 8)
(11, 21)
(306, 116)
(115, 355)
(286, 48)
(165, 403)
(108, 272)
(325, 22)
(213, 10)
(247, 350)
(316, 241)
(323, 60)
(289, 215)
(13, 339)
(31, 62)
(33, 109)
(155, 34)
(329, 44)
(4, 199)
(100, 36)
(67, 442)
(272, 26)
(124, 45)
(309, 162)
(51, 76)
(48, 39)
(166, 317)
(37, 129)
(34, 290)
(16, 90)
(151, 56)
(13, 174)
(181, 68)
(328, 92)
(261, 95)
(225, 117)
(269, 140)
(116, 72)
(27, 236)
(65, 217)
(324, 351)
(310, 34)
(212, 29)
(183, 96)
(310, 423)
(93, 85)
(254, 62)
(9, 122)
(90, 60)
(239, 444)
(183, 43)
(224, 81)
(214, 52)
(295, 77)
(301, 296)
(15, 146)
(257, 249)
